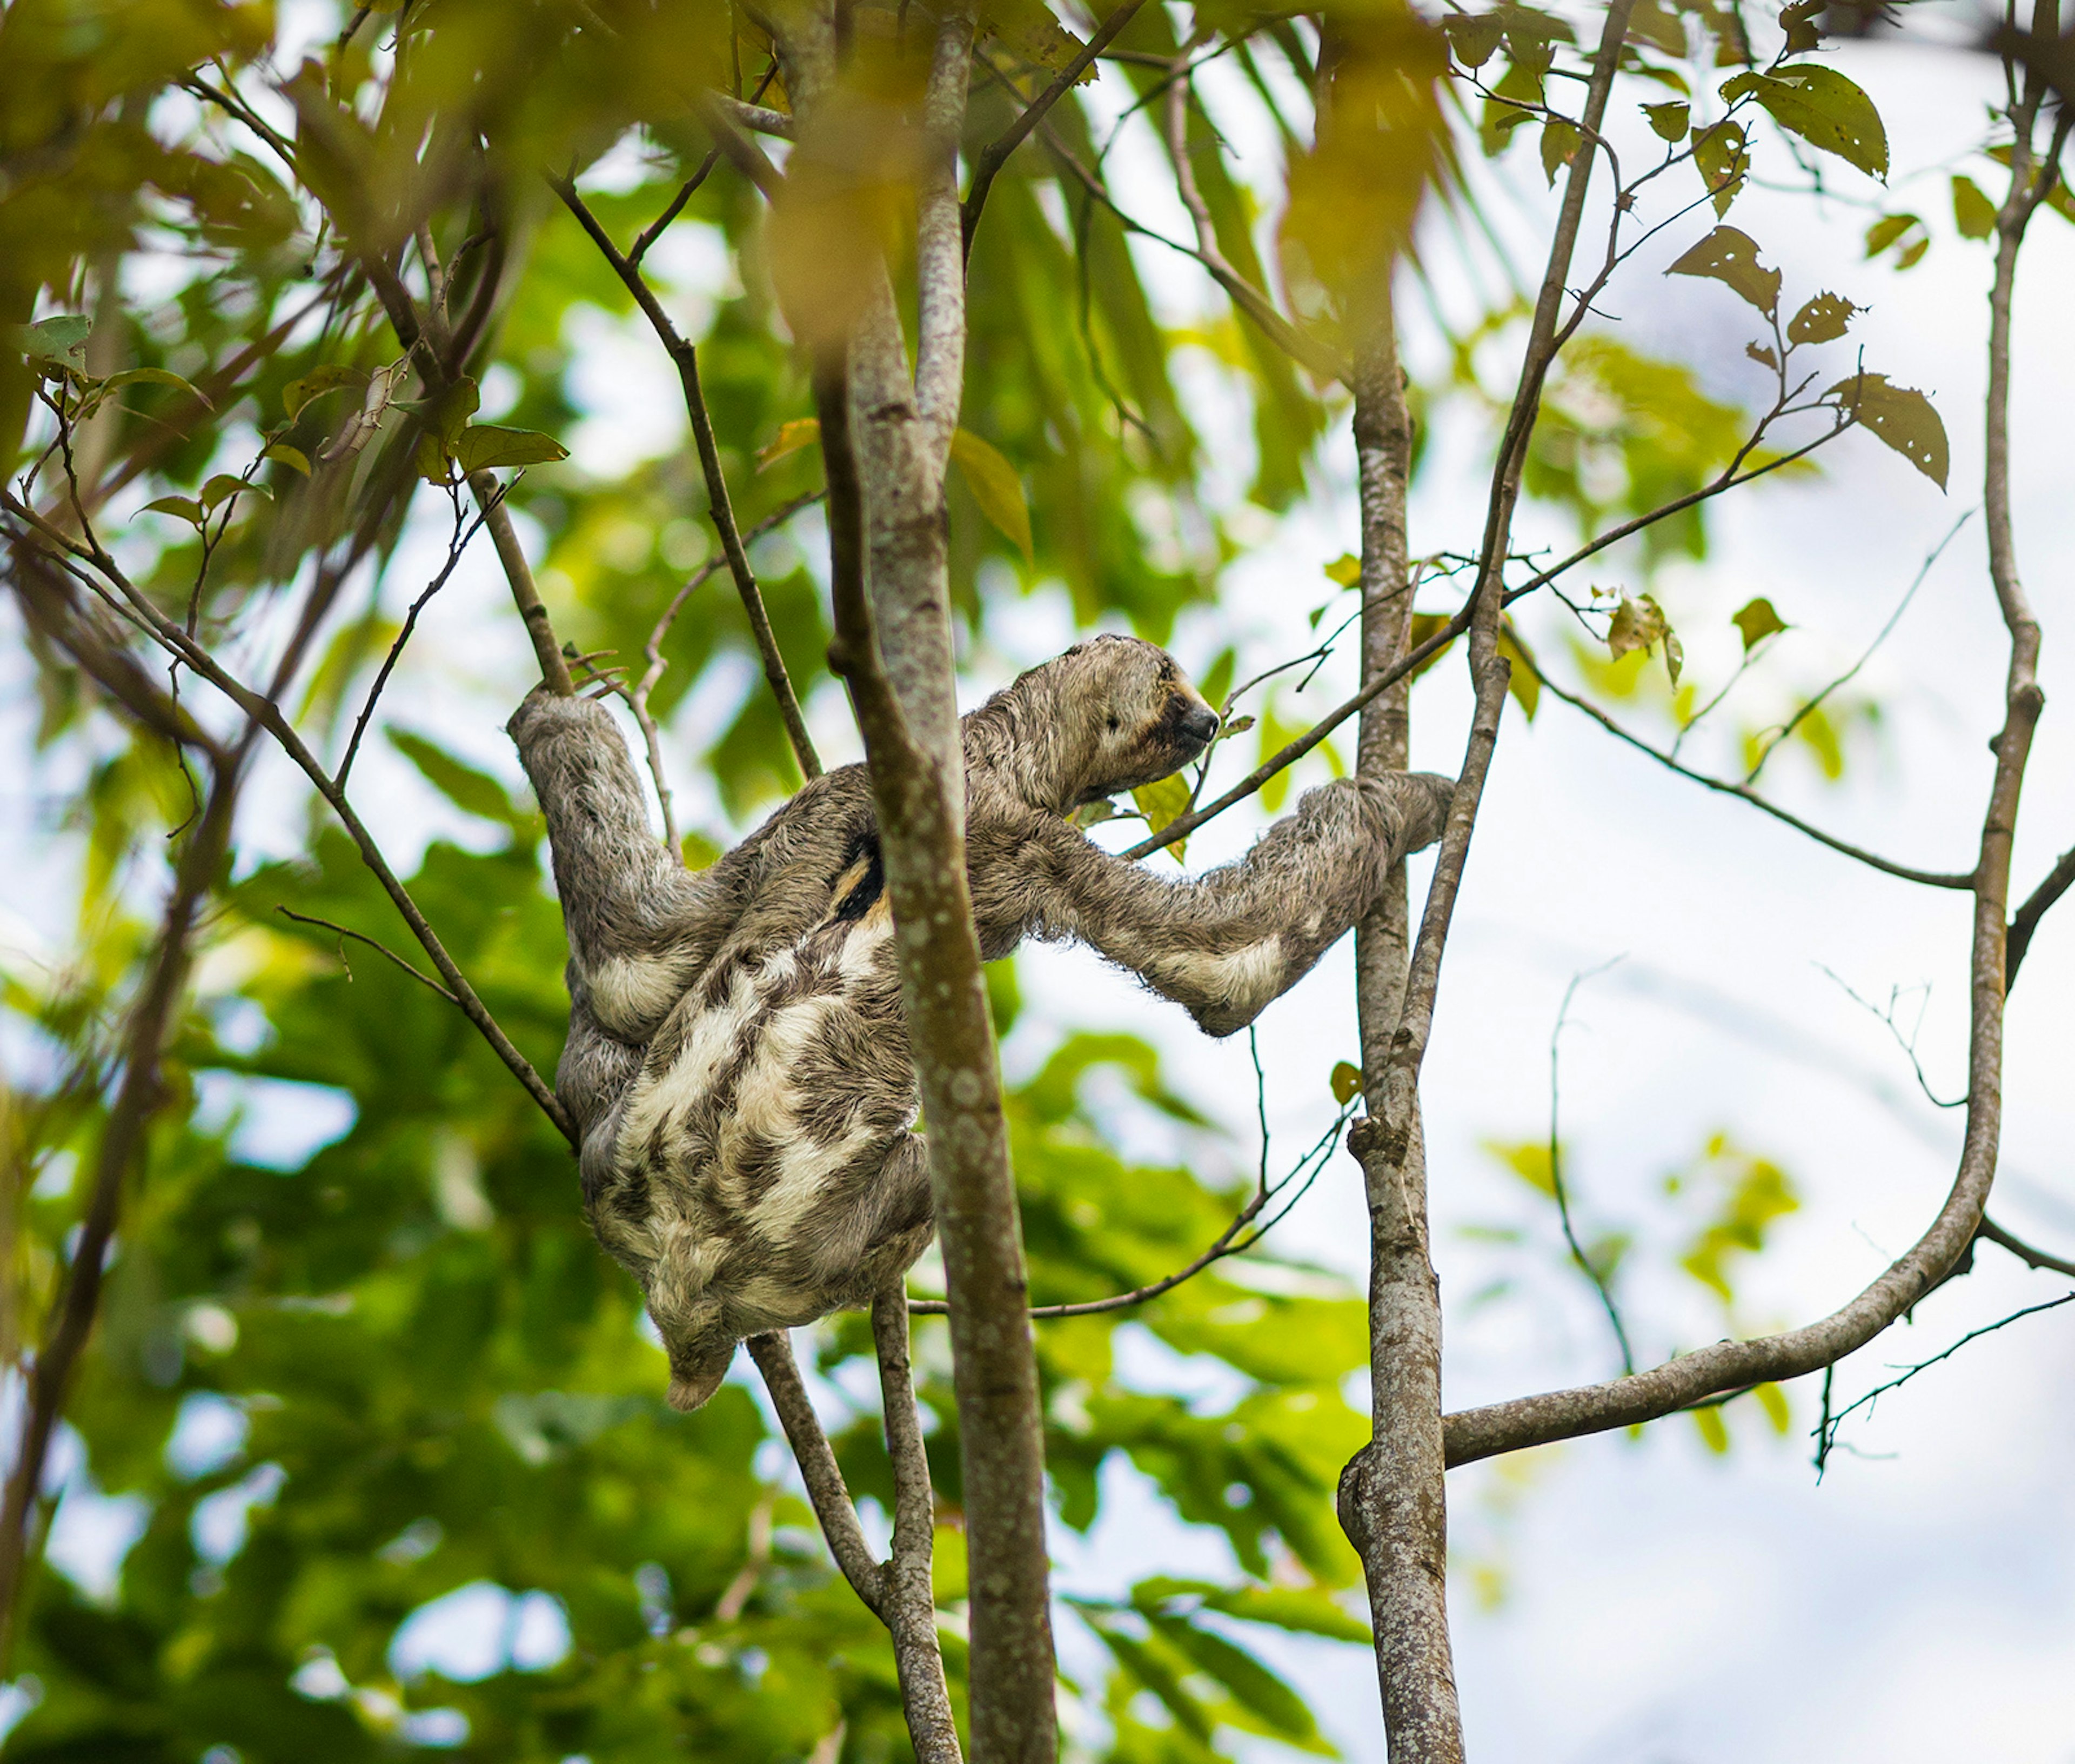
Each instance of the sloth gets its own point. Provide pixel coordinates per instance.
(737, 1065)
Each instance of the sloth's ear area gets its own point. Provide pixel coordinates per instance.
(695, 1377)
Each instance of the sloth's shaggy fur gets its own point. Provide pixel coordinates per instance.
(737, 1063)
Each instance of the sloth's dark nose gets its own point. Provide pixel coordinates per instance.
(1199, 722)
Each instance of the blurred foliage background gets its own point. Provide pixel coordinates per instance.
(334, 1390)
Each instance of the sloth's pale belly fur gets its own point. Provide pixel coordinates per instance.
(750, 1123)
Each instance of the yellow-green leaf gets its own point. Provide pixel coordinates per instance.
(1826, 110)
(1347, 1083)
(1559, 145)
(1160, 802)
(154, 376)
(1822, 319)
(1729, 256)
(483, 445)
(61, 340)
(1772, 1400)
(1973, 212)
(1900, 417)
(1669, 122)
(1722, 158)
(1714, 1431)
(183, 508)
(294, 457)
(1345, 569)
(801, 431)
(995, 487)
(1755, 621)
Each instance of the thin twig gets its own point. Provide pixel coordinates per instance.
(1599, 1282)
(993, 157)
(818, 1469)
(380, 949)
(2025, 1253)
(1895, 618)
(684, 357)
(1907, 1043)
(2025, 921)
(655, 229)
(464, 531)
(1930, 879)
(1829, 1440)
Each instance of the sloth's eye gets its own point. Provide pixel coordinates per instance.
(1112, 726)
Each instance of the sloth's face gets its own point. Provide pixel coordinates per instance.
(1144, 720)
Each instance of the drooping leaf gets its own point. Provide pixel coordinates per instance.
(185, 508)
(996, 487)
(154, 376)
(1824, 108)
(1755, 621)
(481, 446)
(472, 791)
(1713, 1430)
(1899, 416)
(1639, 623)
(803, 432)
(1821, 319)
(1160, 802)
(1722, 157)
(1973, 212)
(1559, 145)
(1729, 256)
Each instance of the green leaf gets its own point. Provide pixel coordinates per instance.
(1524, 686)
(446, 414)
(1909, 231)
(1772, 1400)
(1729, 256)
(1308, 1611)
(481, 446)
(996, 487)
(1160, 802)
(801, 431)
(1638, 624)
(1473, 37)
(1755, 621)
(1798, 21)
(155, 376)
(1347, 1083)
(430, 460)
(1899, 415)
(61, 341)
(1973, 212)
(293, 457)
(2060, 198)
(1345, 569)
(1826, 110)
(1559, 145)
(316, 383)
(1714, 1431)
(1822, 319)
(468, 789)
(185, 508)
(1722, 157)
(1669, 122)
(223, 486)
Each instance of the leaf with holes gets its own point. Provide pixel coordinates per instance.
(1722, 158)
(1347, 1083)
(1826, 110)
(1798, 21)
(484, 446)
(1755, 621)
(1729, 256)
(1822, 319)
(60, 341)
(1899, 416)
(1559, 145)
(996, 487)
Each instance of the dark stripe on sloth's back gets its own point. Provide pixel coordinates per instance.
(865, 894)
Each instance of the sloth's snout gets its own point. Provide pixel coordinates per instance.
(1199, 722)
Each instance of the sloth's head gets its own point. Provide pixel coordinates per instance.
(1108, 715)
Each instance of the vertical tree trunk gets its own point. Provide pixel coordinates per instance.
(1393, 1503)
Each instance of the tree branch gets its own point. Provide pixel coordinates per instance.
(773, 1355)
(2058, 880)
(995, 155)
(2025, 1253)
(684, 357)
(911, 1599)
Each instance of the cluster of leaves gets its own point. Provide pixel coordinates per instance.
(412, 1370)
